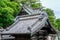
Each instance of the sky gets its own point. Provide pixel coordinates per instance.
(54, 5)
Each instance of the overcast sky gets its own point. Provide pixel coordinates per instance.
(53, 4)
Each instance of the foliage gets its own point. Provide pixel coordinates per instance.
(58, 22)
(20, 1)
(35, 5)
(8, 10)
(51, 17)
(31, 3)
(49, 12)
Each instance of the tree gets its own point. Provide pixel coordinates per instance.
(50, 12)
(8, 10)
(58, 22)
(51, 17)
(36, 5)
(31, 3)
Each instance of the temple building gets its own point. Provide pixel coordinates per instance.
(35, 25)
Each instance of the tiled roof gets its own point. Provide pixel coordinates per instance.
(30, 11)
(27, 24)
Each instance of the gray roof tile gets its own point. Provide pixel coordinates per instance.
(21, 26)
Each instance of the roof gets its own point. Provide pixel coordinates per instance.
(30, 10)
(27, 24)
